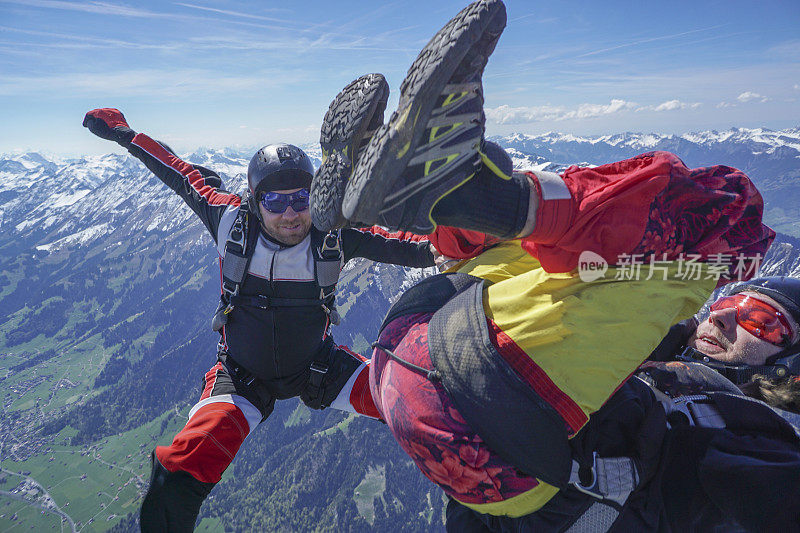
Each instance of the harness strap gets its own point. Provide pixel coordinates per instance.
(317, 377)
(267, 302)
(238, 252)
(315, 390)
(430, 374)
(328, 261)
(239, 247)
(613, 478)
(235, 370)
(234, 267)
(598, 517)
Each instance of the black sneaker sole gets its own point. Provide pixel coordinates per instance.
(377, 192)
(354, 114)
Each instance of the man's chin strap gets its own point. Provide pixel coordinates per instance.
(783, 364)
(789, 359)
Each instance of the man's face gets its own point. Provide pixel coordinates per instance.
(289, 227)
(723, 339)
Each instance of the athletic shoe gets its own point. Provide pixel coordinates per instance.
(430, 145)
(350, 122)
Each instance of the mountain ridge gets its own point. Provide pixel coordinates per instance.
(107, 285)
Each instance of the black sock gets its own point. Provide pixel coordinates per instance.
(487, 202)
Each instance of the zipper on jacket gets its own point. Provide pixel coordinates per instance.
(272, 311)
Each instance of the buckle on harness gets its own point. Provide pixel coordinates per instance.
(229, 291)
(313, 394)
(318, 371)
(237, 234)
(613, 478)
(698, 410)
(332, 313)
(593, 487)
(330, 244)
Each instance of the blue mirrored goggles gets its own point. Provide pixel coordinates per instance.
(277, 203)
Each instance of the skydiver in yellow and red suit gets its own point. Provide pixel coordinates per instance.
(506, 379)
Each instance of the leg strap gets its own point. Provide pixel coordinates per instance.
(313, 394)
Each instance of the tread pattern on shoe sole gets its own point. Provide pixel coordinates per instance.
(345, 124)
(379, 167)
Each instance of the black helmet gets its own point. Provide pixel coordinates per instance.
(784, 290)
(279, 166)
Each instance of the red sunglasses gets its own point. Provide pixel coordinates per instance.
(758, 318)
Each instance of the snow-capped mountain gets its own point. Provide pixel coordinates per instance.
(783, 257)
(56, 203)
(52, 204)
(770, 158)
(107, 283)
(761, 140)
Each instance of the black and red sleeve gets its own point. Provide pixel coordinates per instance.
(200, 189)
(378, 244)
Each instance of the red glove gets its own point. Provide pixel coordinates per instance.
(110, 124)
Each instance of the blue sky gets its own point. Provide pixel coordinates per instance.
(234, 73)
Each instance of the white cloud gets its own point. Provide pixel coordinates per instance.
(796, 87)
(595, 110)
(670, 105)
(749, 96)
(505, 114)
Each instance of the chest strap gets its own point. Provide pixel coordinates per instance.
(268, 302)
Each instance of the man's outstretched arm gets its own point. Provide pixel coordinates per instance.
(200, 188)
(394, 247)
